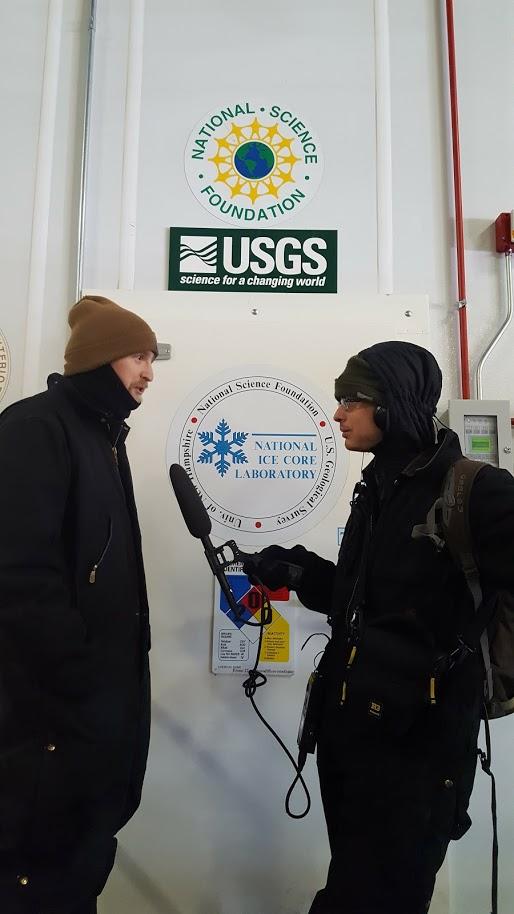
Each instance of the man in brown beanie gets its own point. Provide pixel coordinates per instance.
(74, 630)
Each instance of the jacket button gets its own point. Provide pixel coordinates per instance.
(23, 880)
(448, 783)
(50, 747)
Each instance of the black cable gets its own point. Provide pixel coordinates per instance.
(315, 635)
(485, 761)
(255, 680)
(438, 421)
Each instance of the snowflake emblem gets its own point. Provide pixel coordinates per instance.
(227, 449)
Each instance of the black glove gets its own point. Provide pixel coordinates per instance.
(276, 567)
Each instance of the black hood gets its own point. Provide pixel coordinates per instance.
(411, 380)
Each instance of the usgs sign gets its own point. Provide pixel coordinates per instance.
(235, 260)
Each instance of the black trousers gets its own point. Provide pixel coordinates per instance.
(391, 806)
(88, 908)
(84, 907)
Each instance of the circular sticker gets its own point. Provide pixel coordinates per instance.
(253, 163)
(263, 454)
(5, 365)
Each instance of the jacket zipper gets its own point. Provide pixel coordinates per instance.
(354, 621)
(92, 573)
(349, 663)
(114, 448)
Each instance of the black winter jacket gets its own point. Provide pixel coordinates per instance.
(74, 639)
(407, 590)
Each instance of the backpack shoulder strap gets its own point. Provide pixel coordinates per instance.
(456, 496)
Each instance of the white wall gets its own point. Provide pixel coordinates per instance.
(320, 59)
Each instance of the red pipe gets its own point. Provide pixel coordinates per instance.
(459, 222)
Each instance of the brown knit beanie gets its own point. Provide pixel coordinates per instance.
(102, 331)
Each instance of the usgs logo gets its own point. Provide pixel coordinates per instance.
(262, 255)
(239, 260)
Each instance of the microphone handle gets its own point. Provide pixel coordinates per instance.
(217, 570)
(219, 573)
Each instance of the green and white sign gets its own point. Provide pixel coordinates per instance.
(237, 260)
(251, 162)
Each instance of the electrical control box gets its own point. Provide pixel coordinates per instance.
(484, 430)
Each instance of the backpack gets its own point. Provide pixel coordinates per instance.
(492, 628)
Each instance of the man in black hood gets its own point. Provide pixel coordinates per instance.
(396, 745)
(74, 631)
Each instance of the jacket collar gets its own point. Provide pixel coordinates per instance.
(437, 459)
(433, 461)
(115, 426)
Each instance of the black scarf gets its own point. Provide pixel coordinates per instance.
(102, 391)
(392, 455)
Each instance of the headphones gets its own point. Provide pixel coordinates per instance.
(381, 418)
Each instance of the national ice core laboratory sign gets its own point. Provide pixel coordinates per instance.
(249, 163)
(5, 361)
(263, 454)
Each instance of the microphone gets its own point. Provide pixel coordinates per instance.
(199, 525)
(191, 505)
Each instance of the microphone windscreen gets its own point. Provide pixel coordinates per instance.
(192, 507)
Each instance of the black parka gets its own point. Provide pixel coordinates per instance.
(415, 602)
(397, 771)
(74, 639)
(406, 577)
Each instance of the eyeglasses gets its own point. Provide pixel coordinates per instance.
(349, 403)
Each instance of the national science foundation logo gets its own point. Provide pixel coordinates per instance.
(263, 454)
(5, 364)
(253, 163)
